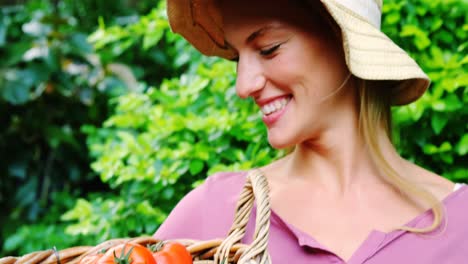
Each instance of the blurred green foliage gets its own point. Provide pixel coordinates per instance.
(51, 83)
(182, 121)
(433, 131)
(48, 89)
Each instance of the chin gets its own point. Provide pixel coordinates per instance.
(281, 142)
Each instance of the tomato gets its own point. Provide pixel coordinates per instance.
(173, 253)
(163, 257)
(128, 253)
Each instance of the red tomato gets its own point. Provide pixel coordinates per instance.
(173, 253)
(128, 253)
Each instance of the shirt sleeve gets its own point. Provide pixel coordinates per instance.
(186, 219)
(204, 213)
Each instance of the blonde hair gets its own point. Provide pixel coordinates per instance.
(375, 112)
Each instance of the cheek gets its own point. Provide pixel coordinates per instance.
(301, 75)
(287, 69)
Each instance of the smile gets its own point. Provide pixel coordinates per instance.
(275, 105)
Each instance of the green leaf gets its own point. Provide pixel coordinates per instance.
(450, 103)
(462, 146)
(445, 147)
(196, 166)
(436, 24)
(82, 209)
(168, 193)
(459, 81)
(79, 44)
(432, 149)
(438, 122)
(13, 242)
(453, 103)
(409, 30)
(18, 169)
(447, 158)
(457, 174)
(3, 29)
(14, 53)
(16, 92)
(392, 18)
(19, 83)
(151, 38)
(421, 40)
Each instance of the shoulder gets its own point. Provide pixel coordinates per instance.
(456, 218)
(209, 209)
(224, 183)
(217, 188)
(457, 202)
(455, 215)
(222, 186)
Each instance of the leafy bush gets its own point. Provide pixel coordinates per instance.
(433, 131)
(51, 83)
(147, 46)
(48, 89)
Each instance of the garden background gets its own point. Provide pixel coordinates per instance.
(108, 119)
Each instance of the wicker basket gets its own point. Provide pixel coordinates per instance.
(228, 250)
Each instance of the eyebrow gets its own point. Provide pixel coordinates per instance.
(257, 33)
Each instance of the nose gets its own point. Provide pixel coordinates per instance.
(250, 77)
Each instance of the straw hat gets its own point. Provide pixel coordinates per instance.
(369, 53)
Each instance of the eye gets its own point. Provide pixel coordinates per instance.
(269, 51)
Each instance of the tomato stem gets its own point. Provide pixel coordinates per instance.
(156, 247)
(123, 258)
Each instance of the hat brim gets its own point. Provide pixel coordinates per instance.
(369, 53)
(205, 36)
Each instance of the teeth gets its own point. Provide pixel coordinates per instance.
(275, 106)
(278, 105)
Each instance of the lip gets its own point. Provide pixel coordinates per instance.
(262, 102)
(271, 119)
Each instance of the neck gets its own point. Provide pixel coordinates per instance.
(338, 160)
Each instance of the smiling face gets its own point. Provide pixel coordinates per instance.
(291, 63)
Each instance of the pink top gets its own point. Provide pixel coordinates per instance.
(207, 213)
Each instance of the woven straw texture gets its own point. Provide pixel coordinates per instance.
(228, 250)
(369, 53)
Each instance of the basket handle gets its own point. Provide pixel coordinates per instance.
(255, 188)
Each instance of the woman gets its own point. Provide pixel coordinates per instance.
(324, 77)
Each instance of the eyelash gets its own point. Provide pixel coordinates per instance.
(269, 51)
(265, 52)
